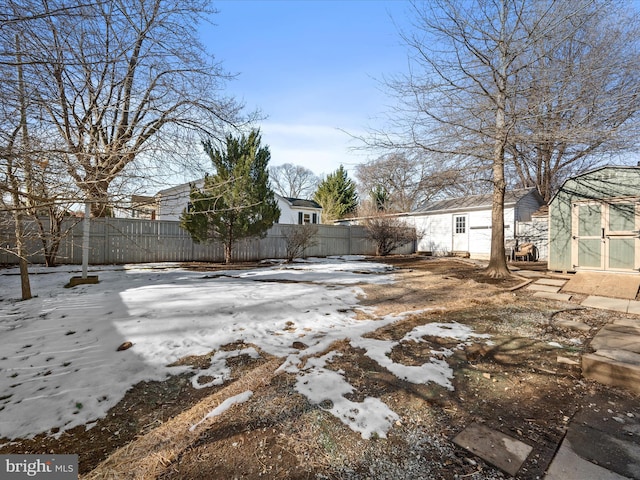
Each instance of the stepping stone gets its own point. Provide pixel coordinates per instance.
(634, 307)
(620, 356)
(496, 448)
(606, 303)
(555, 282)
(528, 273)
(623, 327)
(563, 297)
(568, 465)
(573, 325)
(612, 337)
(543, 288)
(611, 372)
(628, 322)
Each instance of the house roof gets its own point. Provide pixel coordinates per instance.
(142, 200)
(294, 202)
(299, 202)
(473, 202)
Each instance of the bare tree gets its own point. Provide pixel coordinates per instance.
(293, 181)
(582, 98)
(470, 66)
(408, 180)
(29, 186)
(121, 83)
(15, 164)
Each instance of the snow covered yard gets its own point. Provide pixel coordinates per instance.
(59, 364)
(329, 368)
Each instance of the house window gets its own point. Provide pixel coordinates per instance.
(461, 224)
(304, 218)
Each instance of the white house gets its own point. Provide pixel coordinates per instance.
(298, 210)
(463, 225)
(172, 202)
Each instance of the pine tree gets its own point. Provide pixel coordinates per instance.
(337, 195)
(235, 202)
(380, 198)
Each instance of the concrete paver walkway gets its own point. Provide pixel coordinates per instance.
(615, 304)
(602, 442)
(603, 439)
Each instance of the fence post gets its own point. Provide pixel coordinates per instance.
(86, 227)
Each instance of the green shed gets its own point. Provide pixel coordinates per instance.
(594, 222)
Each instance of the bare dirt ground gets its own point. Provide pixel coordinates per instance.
(517, 385)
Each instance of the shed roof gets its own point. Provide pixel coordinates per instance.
(473, 202)
(592, 172)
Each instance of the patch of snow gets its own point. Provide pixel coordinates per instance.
(453, 330)
(322, 385)
(60, 368)
(436, 370)
(224, 406)
(218, 369)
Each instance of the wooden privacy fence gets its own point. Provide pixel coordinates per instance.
(124, 240)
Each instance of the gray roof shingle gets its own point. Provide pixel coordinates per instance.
(473, 202)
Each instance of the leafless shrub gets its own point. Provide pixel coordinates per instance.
(299, 238)
(388, 232)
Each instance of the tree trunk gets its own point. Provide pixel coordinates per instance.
(497, 267)
(228, 250)
(97, 194)
(25, 284)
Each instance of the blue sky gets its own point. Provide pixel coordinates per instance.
(313, 68)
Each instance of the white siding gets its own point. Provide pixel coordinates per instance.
(289, 213)
(480, 238)
(527, 205)
(435, 232)
(173, 201)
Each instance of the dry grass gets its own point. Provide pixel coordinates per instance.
(514, 384)
(148, 455)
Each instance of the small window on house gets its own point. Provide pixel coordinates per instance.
(300, 218)
(314, 219)
(461, 224)
(307, 218)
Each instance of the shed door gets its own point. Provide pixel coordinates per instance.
(622, 242)
(605, 236)
(588, 236)
(460, 233)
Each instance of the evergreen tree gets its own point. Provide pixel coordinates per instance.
(380, 198)
(236, 201)
(337, 195)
